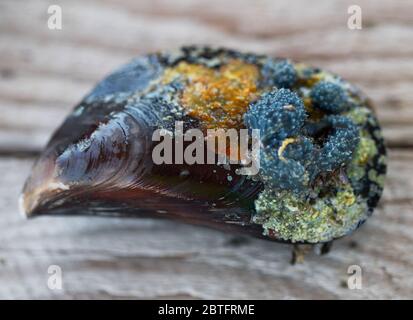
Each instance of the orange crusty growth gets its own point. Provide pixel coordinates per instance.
(218, 98)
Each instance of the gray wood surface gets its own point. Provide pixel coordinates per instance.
(43, 73)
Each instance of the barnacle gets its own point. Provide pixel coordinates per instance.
(322, 159)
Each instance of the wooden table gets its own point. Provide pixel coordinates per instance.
(43, 73)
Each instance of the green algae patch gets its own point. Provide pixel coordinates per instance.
(291, 218)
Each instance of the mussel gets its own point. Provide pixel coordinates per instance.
(322, 158)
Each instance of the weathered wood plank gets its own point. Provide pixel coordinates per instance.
(132, 258)
(44, 73)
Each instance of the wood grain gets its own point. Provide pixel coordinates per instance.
(44, 73)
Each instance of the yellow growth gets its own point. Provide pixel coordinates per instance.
(284, 145)
(218, 98)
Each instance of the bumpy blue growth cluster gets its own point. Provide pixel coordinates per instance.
(329, 97)
(292, 155)
(288, 171)
(278, 114)
(339, 147)
(281, 74)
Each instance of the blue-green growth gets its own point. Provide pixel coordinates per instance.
(329, 97)
(278, 114)
(340, 144)
(281, 74)
(290, 171)
(294, 153)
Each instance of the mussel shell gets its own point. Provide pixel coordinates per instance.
(99, 161)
